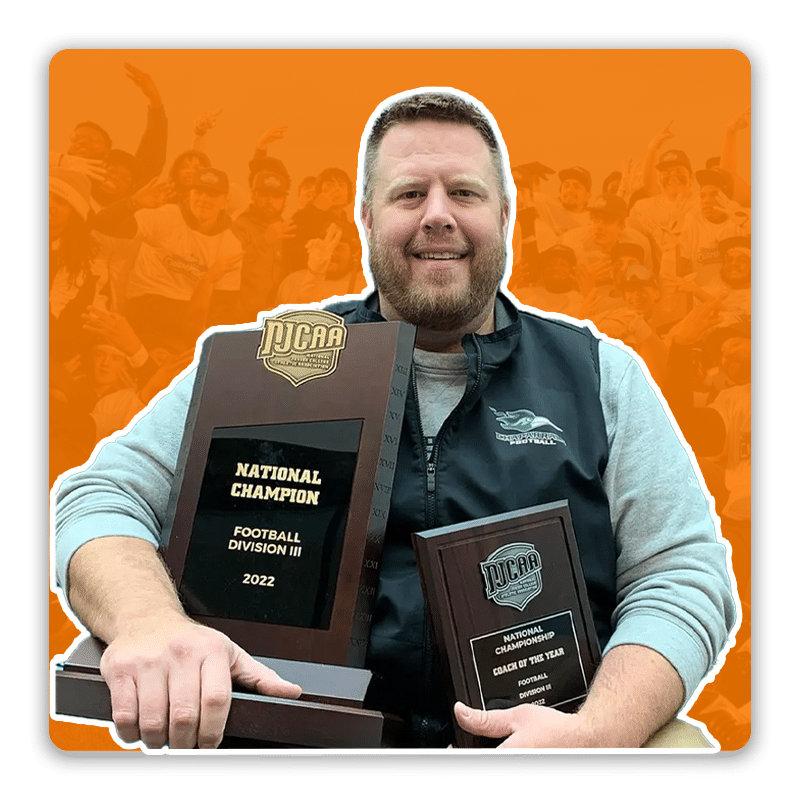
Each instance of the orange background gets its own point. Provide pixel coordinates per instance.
(594, 108)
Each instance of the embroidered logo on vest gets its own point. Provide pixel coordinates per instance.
(512, 575)
(526, 423)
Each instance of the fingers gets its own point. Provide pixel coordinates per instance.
(494, 724)
(179, 693)
(183, 684)
(134, 73)
(153, 700)
(215, 701)
(125, 707)
(252, 674)
(333, 235)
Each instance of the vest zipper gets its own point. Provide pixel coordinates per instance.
(430, 519)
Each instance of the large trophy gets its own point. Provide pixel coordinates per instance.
(277, 517)
(507, 601)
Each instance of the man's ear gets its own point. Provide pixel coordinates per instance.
(504, 216)
(366, 218)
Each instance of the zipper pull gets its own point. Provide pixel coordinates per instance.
(431, 478)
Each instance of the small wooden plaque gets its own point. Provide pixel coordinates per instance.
(508, 604)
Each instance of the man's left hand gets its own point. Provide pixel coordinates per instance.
(526, 725)
(145, 83)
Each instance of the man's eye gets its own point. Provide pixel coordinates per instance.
(412, 194)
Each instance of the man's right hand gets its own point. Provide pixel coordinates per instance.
(154, 194)
(93, 168)
(170, 682)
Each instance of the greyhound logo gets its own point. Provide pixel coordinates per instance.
(525, 425)
(522, 420)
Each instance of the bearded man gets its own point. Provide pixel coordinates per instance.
(435, 211)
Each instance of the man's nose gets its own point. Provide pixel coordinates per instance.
(437, 215)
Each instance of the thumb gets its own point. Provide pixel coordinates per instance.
(494, 724)
(256, 676)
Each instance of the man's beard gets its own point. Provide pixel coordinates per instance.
(436, 307)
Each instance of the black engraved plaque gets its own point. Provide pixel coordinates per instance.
(270, 523)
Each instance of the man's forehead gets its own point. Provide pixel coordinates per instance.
(405, 139)
(88, 129)
(427, 149)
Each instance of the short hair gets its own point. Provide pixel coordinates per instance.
(334, 174)
(309, 180)
(125, 159)
(90, 124)
(437, 107)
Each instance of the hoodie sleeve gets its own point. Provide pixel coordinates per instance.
(674, 590)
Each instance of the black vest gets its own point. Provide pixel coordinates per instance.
(533, 366)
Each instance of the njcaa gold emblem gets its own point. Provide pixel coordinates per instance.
(302, 345)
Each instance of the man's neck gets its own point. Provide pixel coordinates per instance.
(207, 225)
(445, 341)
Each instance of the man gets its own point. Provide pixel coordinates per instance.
(670, 194)
(435, 211)
(90, 147)
(718, 217)
(594, 243)
(332, 204)
(732, 286)
(557, 288)
(262, 232)
(569, 210)
(186, 276)
(632, 324)
(333, 270)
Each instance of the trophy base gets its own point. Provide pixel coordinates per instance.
(329, 714)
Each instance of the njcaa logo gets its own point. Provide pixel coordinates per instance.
(302, 345)
(512, 575)
(526, 424)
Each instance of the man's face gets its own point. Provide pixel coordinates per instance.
(108, 364)
(60, 212)
(336, 190)
(641, 297)
(436, 227)
(524, 197)
(88, 142)
(736, 360)
(709, 203)
(675, 181)
(305, 194)
(341, 261)
(558, 275)
(207, 205)
(121, 181)
(573, 195)
(736, 269)
(606, 230)
(270, 203)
